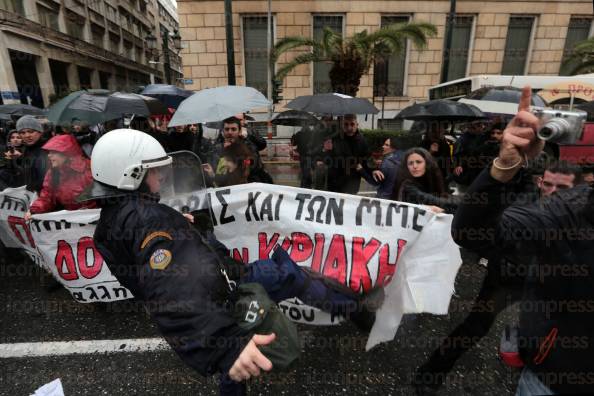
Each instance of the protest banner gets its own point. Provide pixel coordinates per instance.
(65, 242)
(14, 231)
(361, 242)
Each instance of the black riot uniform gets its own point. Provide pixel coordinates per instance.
(167, 264)
(155, 252)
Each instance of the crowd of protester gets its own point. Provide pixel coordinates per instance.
(54, 162)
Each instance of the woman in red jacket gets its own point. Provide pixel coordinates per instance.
(68, 176)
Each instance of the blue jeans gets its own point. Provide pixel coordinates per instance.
(531, 385)
(282, 279)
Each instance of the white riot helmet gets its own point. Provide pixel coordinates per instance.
(121, 158)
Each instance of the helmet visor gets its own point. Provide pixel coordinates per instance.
(182, 183)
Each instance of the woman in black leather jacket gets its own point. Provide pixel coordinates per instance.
(420, 181)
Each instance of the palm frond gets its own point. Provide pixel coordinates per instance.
(417, 32)
(331, 41)
(289, 43)
(587, 65)
(298, 60)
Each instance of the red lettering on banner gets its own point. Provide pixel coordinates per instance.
(316, 261)
(286, 243)
(301, 247)
(335, 265)
(244, 256)
(89, 272)
(64, 261)
(360, 279)
(264, 246)
(13, 222)
(386, 269)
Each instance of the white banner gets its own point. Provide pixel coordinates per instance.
(358, 241)
(65, 242)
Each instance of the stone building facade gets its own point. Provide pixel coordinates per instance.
(490, 37)
(52, 47)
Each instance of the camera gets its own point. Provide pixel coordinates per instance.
(560, 126)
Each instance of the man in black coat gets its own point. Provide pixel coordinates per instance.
(502, 285)
(341, 154)
(34, 159)
(556, 330)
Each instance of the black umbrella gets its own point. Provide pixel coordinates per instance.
(294, 118)
(441, 109)
(170, 95)
(332, 104)
(19, 110)
(100, 106)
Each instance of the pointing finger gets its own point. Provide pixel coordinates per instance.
(525, 99)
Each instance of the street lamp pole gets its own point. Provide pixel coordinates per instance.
(447, 50)
(269, 69)
(229, 36)
(167, 61)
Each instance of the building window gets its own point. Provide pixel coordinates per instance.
(578, 30)
(457, 55)
(104, 79)
(389, 124)
(321, 77)
(255, 52)
(48, 17)
(75, 25)
(517, 45)
(388, 72)
(97, 34)
(111, 13)
(84, 77)
(15, 6)
(114, 43)
(96, 5)
(139, 53)
(129, 50)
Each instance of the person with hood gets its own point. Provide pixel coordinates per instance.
(68, 176)
(34, 158)
(384, 178)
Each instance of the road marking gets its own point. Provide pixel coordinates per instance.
(35, 349)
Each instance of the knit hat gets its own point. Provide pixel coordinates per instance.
(29, 122)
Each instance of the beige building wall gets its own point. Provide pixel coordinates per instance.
(204, 58)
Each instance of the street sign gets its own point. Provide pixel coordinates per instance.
(188, 81)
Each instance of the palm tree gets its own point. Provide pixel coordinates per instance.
(352, 57)
(581, 58)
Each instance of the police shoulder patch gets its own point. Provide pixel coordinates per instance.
(154, 235)
(160, 259)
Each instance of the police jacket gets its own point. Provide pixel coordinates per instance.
(556, 334)
(155, 253)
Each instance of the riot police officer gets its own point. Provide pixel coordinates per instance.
(154, 251)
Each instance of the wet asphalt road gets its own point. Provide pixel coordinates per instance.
(333, 361)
